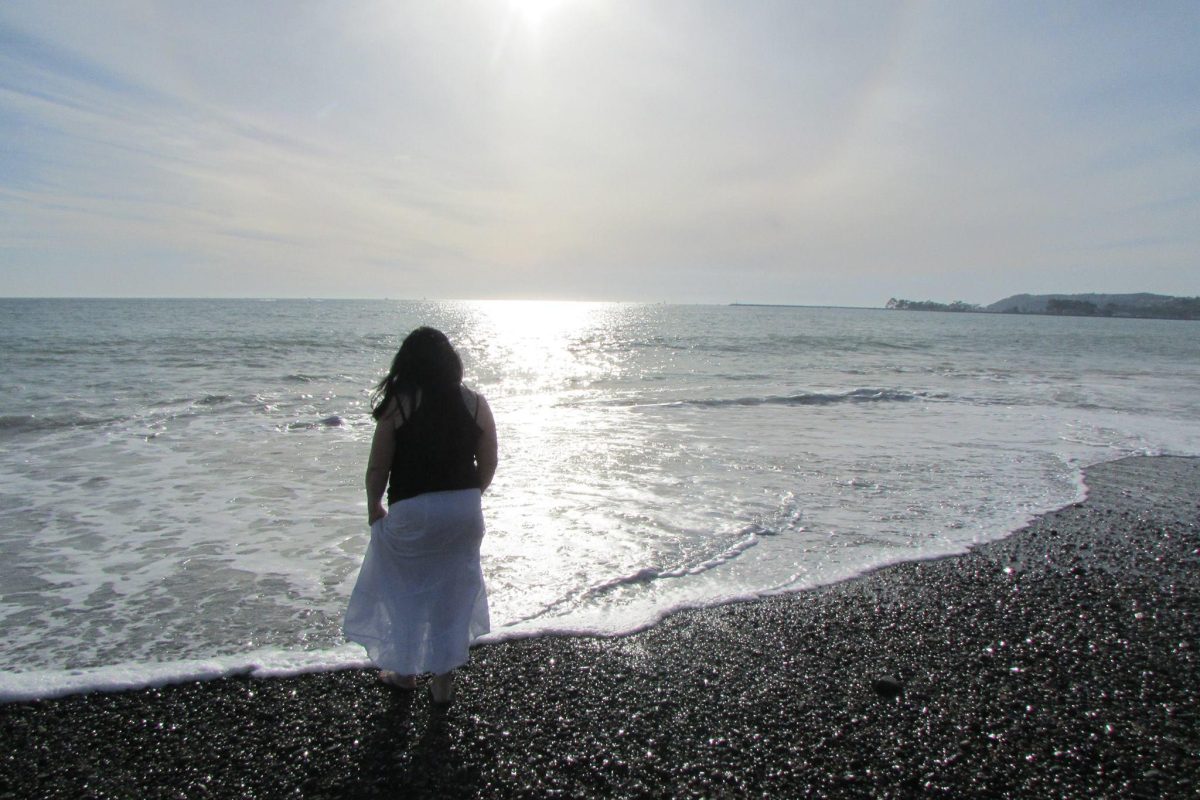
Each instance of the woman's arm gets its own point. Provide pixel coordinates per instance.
(379, 464)
(487, 451)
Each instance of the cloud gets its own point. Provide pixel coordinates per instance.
(803, 152)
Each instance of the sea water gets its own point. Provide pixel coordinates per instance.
(181, 481)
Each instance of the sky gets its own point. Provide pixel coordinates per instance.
(814, 153)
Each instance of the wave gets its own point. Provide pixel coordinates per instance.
(332, 421)
(215, 399)
(652, 574)
(863, 395)
(749, 539)
(37, 423)
(17, 687)
(20, 687)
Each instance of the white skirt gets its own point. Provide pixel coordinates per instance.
(419, 600)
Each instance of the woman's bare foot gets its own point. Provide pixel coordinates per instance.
(398, 681)
(441, 689)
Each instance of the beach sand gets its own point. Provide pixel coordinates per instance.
(1059, 662)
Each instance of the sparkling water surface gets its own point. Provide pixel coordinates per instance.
(182, 480)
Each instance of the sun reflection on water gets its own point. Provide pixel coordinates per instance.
(542, 346)
(543, 365)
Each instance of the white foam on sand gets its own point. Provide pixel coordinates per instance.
(266, 663)
(274, 662)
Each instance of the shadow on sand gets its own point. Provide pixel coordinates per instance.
(411, 750)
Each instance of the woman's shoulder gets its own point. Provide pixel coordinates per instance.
(400, 407)
(471, 398)
(388, 411)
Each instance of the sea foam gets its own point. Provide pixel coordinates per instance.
(267, 663)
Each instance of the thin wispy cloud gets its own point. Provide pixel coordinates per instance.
(581, 148)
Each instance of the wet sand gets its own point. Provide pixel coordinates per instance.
(1060, 662)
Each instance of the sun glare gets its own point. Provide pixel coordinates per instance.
(535, 13)
(535, 338)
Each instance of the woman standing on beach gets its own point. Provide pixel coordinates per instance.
(420, 599)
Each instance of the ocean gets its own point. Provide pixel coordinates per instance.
(181, 481)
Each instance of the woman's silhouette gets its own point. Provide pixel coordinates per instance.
(420, 599)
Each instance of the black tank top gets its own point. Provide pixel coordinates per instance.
(435, 447)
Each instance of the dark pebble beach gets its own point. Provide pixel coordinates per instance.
(1059, 662)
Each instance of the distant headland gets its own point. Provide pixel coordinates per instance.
(1142, 305)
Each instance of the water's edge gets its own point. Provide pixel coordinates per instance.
(270, 663)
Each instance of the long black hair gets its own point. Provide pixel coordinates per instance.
(425, 362)
(437, 438)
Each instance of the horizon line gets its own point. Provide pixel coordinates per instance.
(314, 298)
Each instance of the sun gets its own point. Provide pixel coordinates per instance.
(535, 13)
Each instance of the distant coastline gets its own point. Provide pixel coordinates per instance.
(799, 305)
(1142, 305)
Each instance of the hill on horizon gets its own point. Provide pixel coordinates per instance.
(1039, 303)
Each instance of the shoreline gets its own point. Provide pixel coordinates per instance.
(37, 686)
(1055, 661)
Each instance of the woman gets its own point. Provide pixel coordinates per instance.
(420, 599)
